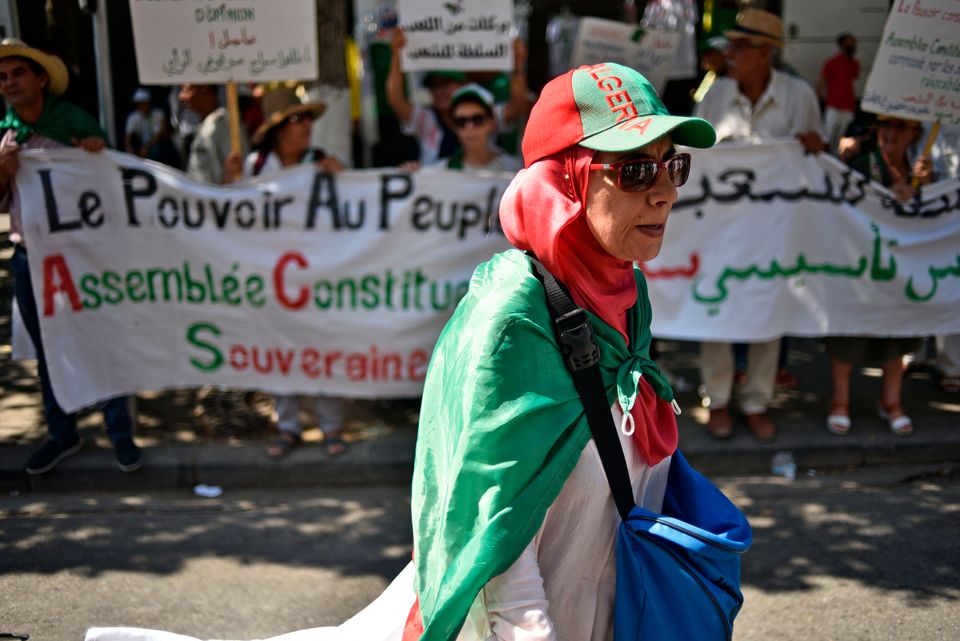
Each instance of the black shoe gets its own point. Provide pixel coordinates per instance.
(51, 453)
(129, 456)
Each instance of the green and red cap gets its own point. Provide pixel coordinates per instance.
(607, 107)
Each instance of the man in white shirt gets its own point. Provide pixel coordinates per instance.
(211, 145)
(753, 103)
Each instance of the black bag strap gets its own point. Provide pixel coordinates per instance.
(582, 357)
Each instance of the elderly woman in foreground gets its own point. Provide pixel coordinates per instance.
(514, 522)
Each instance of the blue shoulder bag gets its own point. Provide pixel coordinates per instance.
(678, 572)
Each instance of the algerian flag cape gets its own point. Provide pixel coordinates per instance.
(501, 428)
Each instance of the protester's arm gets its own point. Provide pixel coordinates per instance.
(519, 104)
(809, 124)
(9, 163)
(395, 96)
(516, 602)
(92, 144)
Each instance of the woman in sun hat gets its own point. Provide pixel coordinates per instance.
(513, 520)
(282, 141)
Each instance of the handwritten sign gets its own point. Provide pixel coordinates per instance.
(649, 51)
(457, 35)
(206, 41)
(916, 73)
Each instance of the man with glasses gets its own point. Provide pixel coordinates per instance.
(754, 102)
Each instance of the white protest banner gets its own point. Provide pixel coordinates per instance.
(212, 42)
(649, 51)
(457, 35)
(916, 73)
(765, 241)
(300, 282)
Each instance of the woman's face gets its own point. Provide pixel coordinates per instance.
(894, 136)
(630, 225)
(293, 136)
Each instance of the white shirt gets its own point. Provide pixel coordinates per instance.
(786, 108)
(562, 587)
(145, 126)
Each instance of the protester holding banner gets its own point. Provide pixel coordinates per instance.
(473, 119)
(432, 125)
(283, 140)
(32, 82)
(211, 144)
(755, 102)
(887, 163)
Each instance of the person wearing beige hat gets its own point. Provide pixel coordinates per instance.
(32, 82)
(753, 103)
(283, 141)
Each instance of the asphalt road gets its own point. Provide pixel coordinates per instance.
(861, 555)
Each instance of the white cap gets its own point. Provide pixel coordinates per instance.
(141, 95)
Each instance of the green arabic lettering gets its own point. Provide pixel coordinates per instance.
(877, 271)
(776, 270)
(936, 273)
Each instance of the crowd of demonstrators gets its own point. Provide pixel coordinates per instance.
(32, 82)
(754, 102)
(432, 125)
(282, 141)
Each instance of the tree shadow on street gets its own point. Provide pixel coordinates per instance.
(903, 540)
(352, 531)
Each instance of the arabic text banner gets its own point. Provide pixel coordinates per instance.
(298, 282)
(765, 241)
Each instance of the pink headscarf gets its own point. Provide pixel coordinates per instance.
(544, 211)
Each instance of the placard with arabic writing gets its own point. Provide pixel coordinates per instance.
(216, 42)
(916, 73)
(457, 35)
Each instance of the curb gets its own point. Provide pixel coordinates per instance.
(389, 461)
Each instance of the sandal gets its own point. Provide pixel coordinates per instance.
(950, 384)
(281, 446)
(334, 444)
(898, 422)
(838, 420)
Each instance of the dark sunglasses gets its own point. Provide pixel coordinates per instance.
(461, 122)
(295, 118)
(639, 174)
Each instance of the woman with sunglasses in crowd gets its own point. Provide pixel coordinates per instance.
(474, 121)
(887, 163)
(514, 523)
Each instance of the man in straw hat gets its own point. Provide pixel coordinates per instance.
(32, 82)
(754, 102)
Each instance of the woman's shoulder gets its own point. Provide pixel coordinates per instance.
(502, 292)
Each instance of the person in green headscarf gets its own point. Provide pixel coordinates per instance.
(32, 82)
(514, 524)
